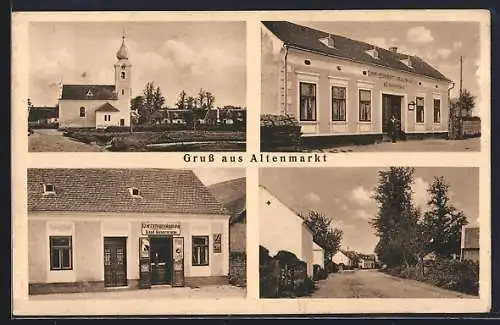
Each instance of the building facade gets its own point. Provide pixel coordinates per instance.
(92, 229)
(318, 255)
(99, 106)
(335, 86)
(280, 228)
(469, 247)
(342, 259)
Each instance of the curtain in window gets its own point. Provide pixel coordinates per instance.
(437, 110)
(307, 101)
(364, 105)
(338, 103)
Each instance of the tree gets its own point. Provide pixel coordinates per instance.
(443, 223)
(466, 102)
(323, 234)
(138, 107)
(190, 103)
(209, 100)
(396, 222)
(182, 100)
(152, 103)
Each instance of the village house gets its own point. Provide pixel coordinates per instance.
(94, 229)
(97, 105)
(318, 255)
(342, 89)
(280, 228)
(469, 244)
(232, 194)
(43, 115)
(366, 261)
(343, 260)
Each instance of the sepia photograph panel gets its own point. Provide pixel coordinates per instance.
(361, 86)
(137, 86)
(136, 233)
(395, 232)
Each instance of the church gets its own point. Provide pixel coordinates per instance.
(99, 106)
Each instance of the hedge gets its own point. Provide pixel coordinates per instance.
(280, 133)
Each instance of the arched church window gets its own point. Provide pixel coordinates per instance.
(123, 74)
(82, 111)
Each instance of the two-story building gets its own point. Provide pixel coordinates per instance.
(343, 89)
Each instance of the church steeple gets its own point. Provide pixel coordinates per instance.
(122, 53)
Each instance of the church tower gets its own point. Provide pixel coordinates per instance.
(123, 74)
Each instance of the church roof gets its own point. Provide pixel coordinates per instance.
(89, 92)
(107, 107)
(122, 53)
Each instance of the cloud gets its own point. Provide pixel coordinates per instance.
(420, 193)
(361, 196)
(443, 53)
(420, 35)
(457, 45)
(344, 207)
(379, 41)
(363, 214)
(312, 197)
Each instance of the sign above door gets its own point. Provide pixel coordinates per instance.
(161, 229)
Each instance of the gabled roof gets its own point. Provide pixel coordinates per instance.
(89, 92)
(42, 112)
(317, 246)
(345, 48)
(471, 237)
(107, 190)
(232, 194)
(107, 107)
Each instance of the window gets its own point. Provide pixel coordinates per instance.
(107, 117)
(200, 250)
(420, 109)
(365, 99)
(134, 191)
(82, 111)
(123, 74)
(60, 253)
(338, 103)
(307, 101)
(49, 189)
(123, 91)
(437, 110)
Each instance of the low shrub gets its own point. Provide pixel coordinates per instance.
(456, 275)
(280, 133)
(322, 274)
(268, 277)
(117, 129)
(331, 267)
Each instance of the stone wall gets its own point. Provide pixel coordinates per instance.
(238, 269)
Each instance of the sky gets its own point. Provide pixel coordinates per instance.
(438, 43)
(209, 176)
(175, 55)
(344, 194)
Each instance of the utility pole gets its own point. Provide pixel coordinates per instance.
(460, 102)
(460, 75)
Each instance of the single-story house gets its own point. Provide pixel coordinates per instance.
(95, 229)
(366, 261)
(341, 89)
(281, 228)
(342, 259)
(469, 246)
(318, 255)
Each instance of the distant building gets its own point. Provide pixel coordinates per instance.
(366, 261)
(469, 247)
(43, 115)
(97, 105)
(342, 259)
(280, 228)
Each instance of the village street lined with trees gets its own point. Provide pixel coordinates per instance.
(418, 251)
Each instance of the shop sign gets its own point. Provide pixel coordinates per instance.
(217, 243)
(160, 229)
(393, 85)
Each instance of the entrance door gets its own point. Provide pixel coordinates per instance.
(122, 122)
(161, 260)
(391, 105)
(115, 261)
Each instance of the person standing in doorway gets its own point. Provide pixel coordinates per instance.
(394, 126)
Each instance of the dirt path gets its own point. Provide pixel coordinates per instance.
(374, 284)
(54, 141)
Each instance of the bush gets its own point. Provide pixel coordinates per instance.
(456, 275)
(280, 133)
(306, 287)
(331, 267)
(268, 280)
(117, 129)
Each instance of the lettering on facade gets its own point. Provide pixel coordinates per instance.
(160, 229)
(388, 76)
(217, 243)
(393, 85)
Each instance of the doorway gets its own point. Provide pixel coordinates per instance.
(122, 122)
(115, 261)
(161, 260)
(391, 105)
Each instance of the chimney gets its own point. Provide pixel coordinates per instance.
(393, 49)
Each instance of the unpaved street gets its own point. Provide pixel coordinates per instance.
(375, 284)
(53, 141)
